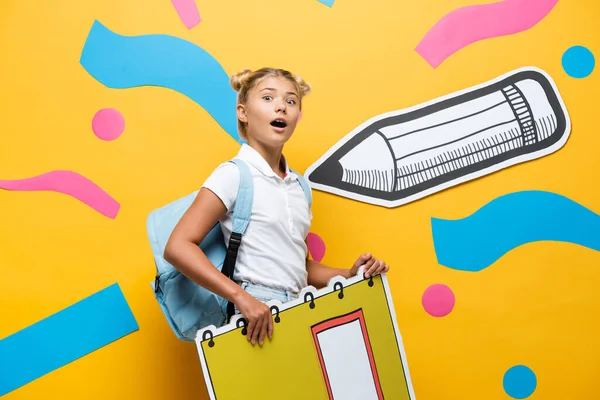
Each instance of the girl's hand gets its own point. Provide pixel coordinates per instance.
(259, 317)
(372, 265)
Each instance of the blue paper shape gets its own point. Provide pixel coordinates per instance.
(519, 382)
(327, 2)
(578, 62)
(121, 62)
(477, 241)
(64, 337)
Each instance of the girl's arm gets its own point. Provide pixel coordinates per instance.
(183, 253)
(319, 274)
(182, 249)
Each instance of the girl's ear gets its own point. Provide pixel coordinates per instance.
(241, 113)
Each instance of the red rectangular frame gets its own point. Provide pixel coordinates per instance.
(342, 320)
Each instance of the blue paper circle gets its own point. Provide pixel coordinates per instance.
(578, 62)
(519, 382)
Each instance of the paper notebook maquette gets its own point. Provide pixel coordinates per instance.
(341, 342)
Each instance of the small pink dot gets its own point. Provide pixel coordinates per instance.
(438, 300)
(316, 246)
(108, 124)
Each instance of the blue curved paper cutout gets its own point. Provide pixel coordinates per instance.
(120, 62)
(477, 241)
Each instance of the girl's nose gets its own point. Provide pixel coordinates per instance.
(280, 107)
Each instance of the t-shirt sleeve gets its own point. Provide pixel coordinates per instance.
(224, 182)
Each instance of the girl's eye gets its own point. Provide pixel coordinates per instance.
(267, 97)
(291, 101)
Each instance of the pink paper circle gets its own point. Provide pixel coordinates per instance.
(316, 246)
(438, 300)
(108, 124)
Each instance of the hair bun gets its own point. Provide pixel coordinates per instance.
(303, 86)
(239, 79)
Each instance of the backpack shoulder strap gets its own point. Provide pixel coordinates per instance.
(305, 187)
(245, 195)
(241, 218)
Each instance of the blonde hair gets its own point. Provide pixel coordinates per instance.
(246, 79)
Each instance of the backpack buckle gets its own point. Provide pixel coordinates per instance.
(235, 240)
(232, 250)
(156, 282)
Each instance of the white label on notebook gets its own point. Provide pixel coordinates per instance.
(346, 362)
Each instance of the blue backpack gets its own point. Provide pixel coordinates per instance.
(187, 306)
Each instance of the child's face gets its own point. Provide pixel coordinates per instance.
(271, 111)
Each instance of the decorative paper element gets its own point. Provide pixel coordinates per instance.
(188, 12)
(108, 124)
(64, 337)
(344, 341)
(477, 241)
(519, 382)
(328, 3)
(467, 25)
(578, 62)
(291, 360)
(438, 300)
(120, 62)
(316, 246)
(401, 156)
(69, 183)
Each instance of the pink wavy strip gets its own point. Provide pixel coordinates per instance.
(467, 25)
(69, 183)
(188, 12)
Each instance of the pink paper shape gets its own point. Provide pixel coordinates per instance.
(466, 25)
(188, 12)
(316, 246)
(69, 183)
(438, 300)
(108, 124)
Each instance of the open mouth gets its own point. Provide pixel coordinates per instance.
(278, 123)
(398, 157)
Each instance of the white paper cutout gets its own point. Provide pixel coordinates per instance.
(401, 156)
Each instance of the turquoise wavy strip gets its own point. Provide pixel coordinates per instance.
(121, 62)
(477, 241)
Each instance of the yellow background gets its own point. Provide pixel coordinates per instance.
(535, 306)
(290, 364)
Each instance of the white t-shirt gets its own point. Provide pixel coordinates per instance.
(273, 250)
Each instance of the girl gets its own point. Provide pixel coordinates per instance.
(272, 260)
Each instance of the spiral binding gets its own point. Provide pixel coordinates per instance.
(211, 342)
(245, 323)
(312, 299)
(308, 296)
(277, 319)
(341, 294)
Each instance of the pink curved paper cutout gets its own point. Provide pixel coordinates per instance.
(467, 25)
(69, 183)
(188, 12)
(316, 246)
